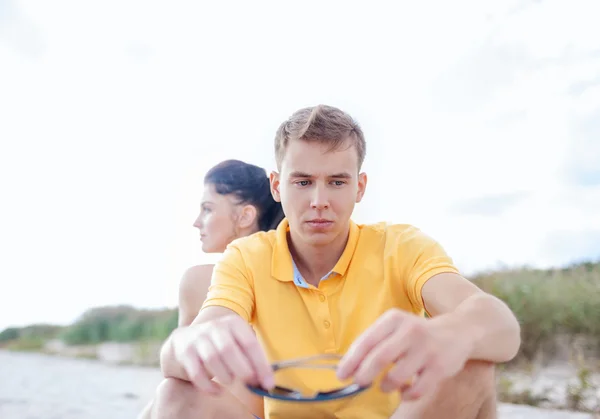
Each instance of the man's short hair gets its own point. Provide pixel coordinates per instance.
(322, 124)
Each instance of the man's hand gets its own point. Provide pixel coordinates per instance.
(225, 349)
(421, 353)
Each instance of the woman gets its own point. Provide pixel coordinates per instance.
(237, 202)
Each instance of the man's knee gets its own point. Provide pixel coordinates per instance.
(179, 399)
(174, 398)
(475, 385)
(469, 394)
(478, 373)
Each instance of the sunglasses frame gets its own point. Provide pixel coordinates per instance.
(296, 396)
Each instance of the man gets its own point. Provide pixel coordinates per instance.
(321, 284)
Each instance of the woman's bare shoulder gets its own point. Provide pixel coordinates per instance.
(196, 273)
(199, 270)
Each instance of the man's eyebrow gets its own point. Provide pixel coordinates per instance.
(342, 175)
(299, 174)
(205, 202)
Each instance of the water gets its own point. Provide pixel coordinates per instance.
(35, 386)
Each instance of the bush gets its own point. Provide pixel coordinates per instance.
(121, 324)
(9, 334)
(549, 302)
(26, 344)
(546, 302)
(35, 332)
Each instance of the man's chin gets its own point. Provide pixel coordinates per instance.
(319, 238)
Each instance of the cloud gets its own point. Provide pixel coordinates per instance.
(476, 115)
(583, 158)
(19, 32)
(489, 205)
(582, 86)
(140, 51)
(564, 246)
(476, 78)
(7, 11)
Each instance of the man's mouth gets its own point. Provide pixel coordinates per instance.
(320, 222)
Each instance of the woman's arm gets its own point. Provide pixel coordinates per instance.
(193, 288)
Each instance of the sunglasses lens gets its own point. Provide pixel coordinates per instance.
(341, 392)
(306, 377)
(283, 393)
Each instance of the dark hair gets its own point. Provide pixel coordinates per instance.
(250, 184)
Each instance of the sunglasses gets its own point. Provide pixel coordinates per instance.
(310, 362)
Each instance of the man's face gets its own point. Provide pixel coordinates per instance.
(318, 189)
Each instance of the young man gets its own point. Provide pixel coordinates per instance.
(321, 284)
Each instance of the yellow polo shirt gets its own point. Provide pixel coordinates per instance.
(382, 267)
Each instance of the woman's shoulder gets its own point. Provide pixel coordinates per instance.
(196, 273)
(199, 270)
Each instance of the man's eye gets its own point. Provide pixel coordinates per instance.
(303, 182)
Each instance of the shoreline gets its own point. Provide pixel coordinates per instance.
(132, 386)
(556, 385)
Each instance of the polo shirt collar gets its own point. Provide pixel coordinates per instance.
(281, 262)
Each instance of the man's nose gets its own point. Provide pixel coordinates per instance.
(320, 198)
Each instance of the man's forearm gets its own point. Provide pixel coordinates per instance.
(489, 324)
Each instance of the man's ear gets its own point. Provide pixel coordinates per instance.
(275, 183)
(247, 216)
(362, 186)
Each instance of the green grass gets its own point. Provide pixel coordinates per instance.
(32, 344)
(546, 302)
(97, 325)
(120, 324)
(549, 302)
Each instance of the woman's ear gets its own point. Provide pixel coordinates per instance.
(247, 216)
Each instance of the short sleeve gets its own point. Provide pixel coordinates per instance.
(230, 285)
(421, 258)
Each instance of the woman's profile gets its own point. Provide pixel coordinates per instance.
(236, 202)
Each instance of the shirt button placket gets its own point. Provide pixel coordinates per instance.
(327, 329)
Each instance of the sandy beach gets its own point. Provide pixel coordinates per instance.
(36, 386)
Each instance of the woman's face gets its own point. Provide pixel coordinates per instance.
(216, 221)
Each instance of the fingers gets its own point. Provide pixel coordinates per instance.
(234, 353)
(225, 350)
(260, 366)
(197, 373)
(378, 359)
(232, 356)
(426, 382)
(213, 362)
(374, 335)
(404, 371)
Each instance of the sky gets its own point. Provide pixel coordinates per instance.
(482, 121)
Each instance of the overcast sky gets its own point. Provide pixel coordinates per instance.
(482, 121)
